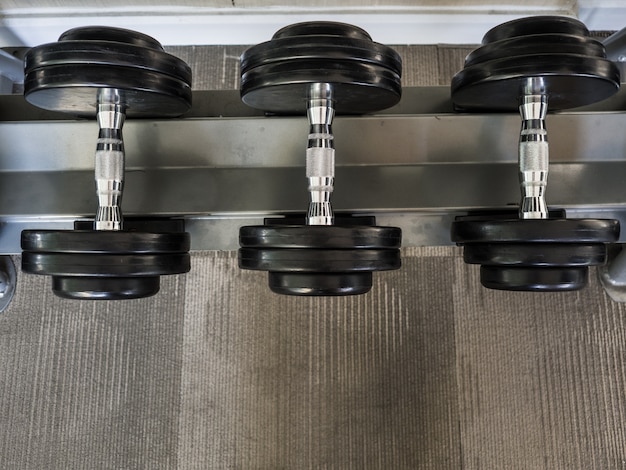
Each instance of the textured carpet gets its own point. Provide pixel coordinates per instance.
(426, 371)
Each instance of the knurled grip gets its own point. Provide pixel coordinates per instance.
(533, 156)
(320, 162)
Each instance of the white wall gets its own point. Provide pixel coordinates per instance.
(392, 22)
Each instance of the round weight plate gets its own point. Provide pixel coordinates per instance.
(571, 81)
(107, 242)
(111, 288)
(105, 265)
(536, 25)
(105, 53)
(109, 33)
(533, 279)
(357, 87)
(318, 260)
(318, 236)
(535, 230)
(277, 75)
(535, 254)
(322, 28)
(74, 89)
(312, 284)
(331, 50)
(537, 44)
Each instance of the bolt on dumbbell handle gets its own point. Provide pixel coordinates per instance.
(109, 165)
(533, 150)
(320, 154)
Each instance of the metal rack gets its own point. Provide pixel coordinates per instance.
(224, 165)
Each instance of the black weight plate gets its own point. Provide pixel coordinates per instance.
(105, 53)
(109, 33)
(111, 242)
(535, 254)
(319, 236)
(536, 25)
(110, 288)
(315, 284)
(318, 261)
(533, 279)
(535, 230)
(571, 81)
(322, 28)
(105, 265)
(357, 88)
(329, 49)
(74, 89)
(537, 44)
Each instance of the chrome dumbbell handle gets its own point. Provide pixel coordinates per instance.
(533, 150)
(109, 164)
(320, 154)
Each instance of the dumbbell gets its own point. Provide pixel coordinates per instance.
(111, 74)
(530, 65)
(320, 68)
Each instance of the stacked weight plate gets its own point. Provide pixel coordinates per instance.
(276, 75)
(107, 265)
(67, 75)
(534, 254)
(320, 260)
(547, 254)
(559, 50)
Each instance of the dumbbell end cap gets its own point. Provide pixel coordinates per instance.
(534, 279)
(320, 284)
(99, 288)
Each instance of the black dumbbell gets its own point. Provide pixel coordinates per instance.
(107, 73)
(528, 65)
(320, 68)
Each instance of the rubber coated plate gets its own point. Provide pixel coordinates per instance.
(336, 49)
(74, 89)
(535, 230)
(537, 44)
(108, 33)
(357, 87)
(92, 241)
(571, 81)
(98, 288)
(535, 254)
(536, 25)
(318, 261)
(316, 236)
(276, 75)
(533, 279)
(104, 265)
(322, 28)
(316, 284)
(66, 76)
(106, 53)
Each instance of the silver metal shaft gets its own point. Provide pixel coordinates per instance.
(533, 150)
(109, 164)
(320, 154)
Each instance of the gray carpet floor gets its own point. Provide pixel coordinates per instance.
(428, 370)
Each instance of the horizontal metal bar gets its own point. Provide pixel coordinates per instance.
(244, 191)
(281, 141)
